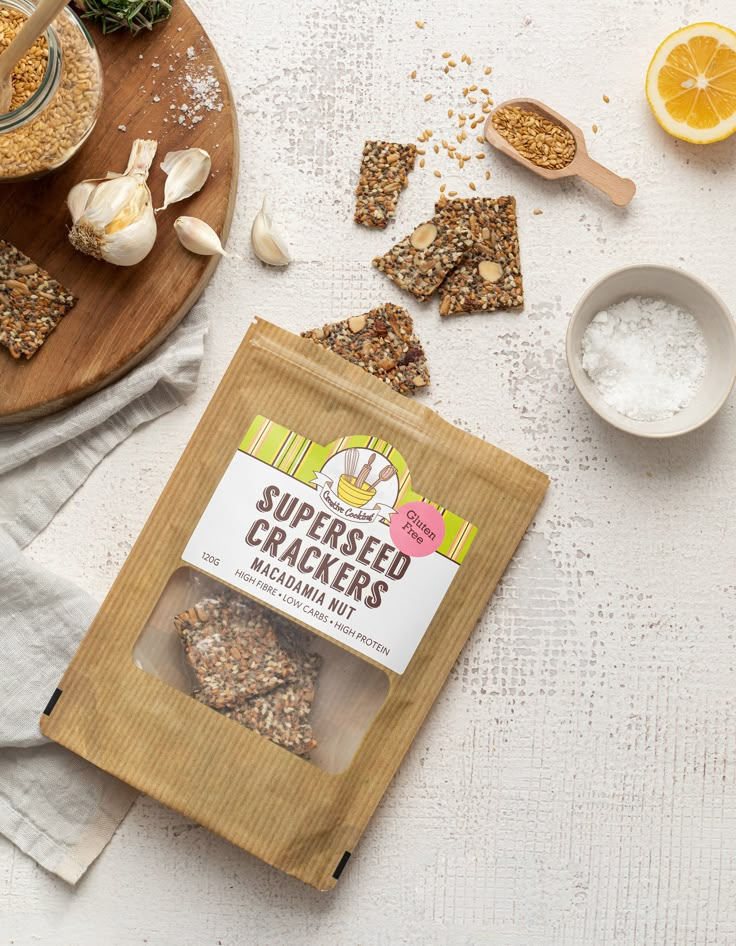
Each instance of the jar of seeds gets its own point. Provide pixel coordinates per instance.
(57, 93)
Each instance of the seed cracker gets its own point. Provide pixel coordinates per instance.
(384, 173)
(282, 715)
(492, 221)
(233, 649)
(420, 271)
(32, 303)
(382, 342)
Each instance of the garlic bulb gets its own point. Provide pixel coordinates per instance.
(268, 244)
(186, 173)
(113, 216)
(199, 237)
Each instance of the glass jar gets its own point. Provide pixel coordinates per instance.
(52, 124)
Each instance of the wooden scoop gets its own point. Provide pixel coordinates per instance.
(619, 189)
(45, 13)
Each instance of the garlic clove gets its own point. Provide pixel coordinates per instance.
(133, 242)
(198, 237)
(186, 173)
(77, 198)
(268, 244)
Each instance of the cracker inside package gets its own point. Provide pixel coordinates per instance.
(489, 276)
(32, 302)
(233, 650)
(300, 592)
(384, 172)
(381, 342)
(420, 262)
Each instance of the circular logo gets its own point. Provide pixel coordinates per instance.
(417, 529)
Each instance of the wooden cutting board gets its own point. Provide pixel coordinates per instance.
(123, 313)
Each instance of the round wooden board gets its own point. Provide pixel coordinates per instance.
(123, 313)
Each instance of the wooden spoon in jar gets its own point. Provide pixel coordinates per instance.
(619, 189)
(45, 13)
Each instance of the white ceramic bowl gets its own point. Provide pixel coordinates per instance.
(716, 324)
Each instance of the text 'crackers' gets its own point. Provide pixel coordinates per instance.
(297, 597)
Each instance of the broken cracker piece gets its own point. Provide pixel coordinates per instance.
(420, 262)
(381, 342)
(282, 715)
(489, 275)
(32, 303)
(233, 650)
(384, 173)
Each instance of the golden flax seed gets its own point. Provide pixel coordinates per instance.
(535, 137)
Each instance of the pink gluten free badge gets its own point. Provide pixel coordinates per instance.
(417, 529)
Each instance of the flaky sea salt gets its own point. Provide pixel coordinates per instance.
(646, 357)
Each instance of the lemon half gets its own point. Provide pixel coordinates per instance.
(691, 83)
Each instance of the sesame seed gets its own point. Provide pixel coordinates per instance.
(413, 74)
(428, 96)
(420, 24)
(595, 129)
(450, 113)
(451, 63)
(537, 211)
(421, 163)
(488, 71)
(481, 156)
(606, 99)
(471, 185)
(438, 173)
(442, 187)
(446, 55)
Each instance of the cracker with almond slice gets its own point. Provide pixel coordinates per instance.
(381, 342)
(32, 302)
(420, 261)
(489, 275)
(384, 173)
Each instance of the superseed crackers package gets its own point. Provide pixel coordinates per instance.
(296, 599)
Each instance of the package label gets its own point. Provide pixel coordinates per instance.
(333, 536)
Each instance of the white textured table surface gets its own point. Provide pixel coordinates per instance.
(575, 784)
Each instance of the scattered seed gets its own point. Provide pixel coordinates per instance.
(428, 96)
(537, 211)
(436, 149)
(420, 24)
(471, 185)
(451, 63)
(488, 71)
(413, 74)
(481, 156)
(421, 163)
(606, 99)
(446, 55)
(488, 175)
(442, 188)
(452, 193)
(450, 113)
(421, 151)
(438, 173)
(485, 92)
(595, 129)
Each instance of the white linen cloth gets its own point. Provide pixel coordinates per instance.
(55, 806)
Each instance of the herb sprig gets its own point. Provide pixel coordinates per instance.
(133, 15)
